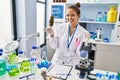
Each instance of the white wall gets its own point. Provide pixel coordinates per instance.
(26, 23)
(5, 22)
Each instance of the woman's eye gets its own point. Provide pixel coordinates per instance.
(67, 15)
(72, 15)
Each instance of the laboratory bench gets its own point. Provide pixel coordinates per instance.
(37, 76)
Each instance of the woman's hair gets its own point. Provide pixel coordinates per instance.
(75, 8)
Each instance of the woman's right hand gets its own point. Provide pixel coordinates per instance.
(50, 31)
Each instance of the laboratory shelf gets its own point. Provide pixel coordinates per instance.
(94, 3)
(97, 22)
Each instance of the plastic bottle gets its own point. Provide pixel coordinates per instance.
(97, 76)
(104, 18)
(111, 14)
(34, 54)
(116, 77)
(21, 56)
(2, 63)
(99, 17)
(32, 65)
(118, 74)
(112, 77)
(107, 76)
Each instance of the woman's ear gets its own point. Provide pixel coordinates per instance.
(78, 16)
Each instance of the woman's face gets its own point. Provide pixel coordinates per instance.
(72, 16)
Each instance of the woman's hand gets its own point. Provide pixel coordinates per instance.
(50, 31)
(87, 36)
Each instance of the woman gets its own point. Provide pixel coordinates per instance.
(67, 38)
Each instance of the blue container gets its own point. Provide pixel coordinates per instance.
(99, 17)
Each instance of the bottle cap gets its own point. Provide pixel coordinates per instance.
(0, 53)
(99, 12)
(1, 50)
(100, 75)
(97, 74)
(105, 12)
(34, 47)
(20, 52)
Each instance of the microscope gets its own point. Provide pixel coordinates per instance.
(84, 64)
(99, 30)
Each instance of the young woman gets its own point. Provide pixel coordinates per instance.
(67, 38)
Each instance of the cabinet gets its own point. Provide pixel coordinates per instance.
(88, 19)
(107, 57)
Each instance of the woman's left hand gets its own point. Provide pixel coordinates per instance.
(87, 37)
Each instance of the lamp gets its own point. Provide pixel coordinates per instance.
(13, 45)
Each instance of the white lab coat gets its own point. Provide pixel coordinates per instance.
(59, 42)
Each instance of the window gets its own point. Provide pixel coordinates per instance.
(6, 29)
(41, 22)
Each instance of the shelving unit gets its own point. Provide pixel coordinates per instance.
(96, 22)
(88, 17)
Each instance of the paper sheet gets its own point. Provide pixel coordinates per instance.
(60, 71)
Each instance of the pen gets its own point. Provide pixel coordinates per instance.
(62, 74)
(56, 77)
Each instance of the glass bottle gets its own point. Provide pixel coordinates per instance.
(44, 56)
(44, 62)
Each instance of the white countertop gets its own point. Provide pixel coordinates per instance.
(104, 43)
(74, 75)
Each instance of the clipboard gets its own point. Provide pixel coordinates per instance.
(59, 71)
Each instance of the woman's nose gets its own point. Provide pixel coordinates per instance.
(70, 17)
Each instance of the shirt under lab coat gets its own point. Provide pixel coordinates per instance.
(59, 42)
